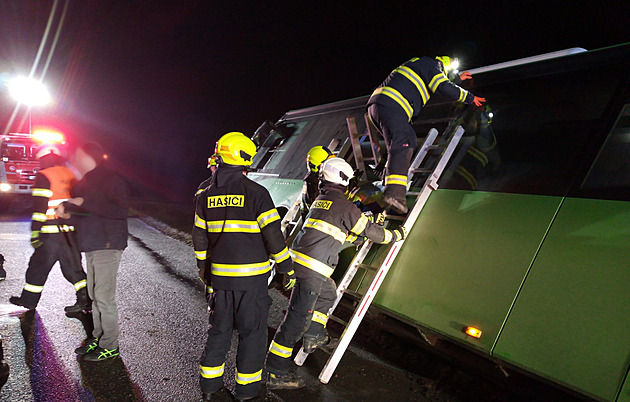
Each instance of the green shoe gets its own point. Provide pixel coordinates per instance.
(100, 354)
(87, 347)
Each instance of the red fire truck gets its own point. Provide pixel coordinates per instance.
(19, 166)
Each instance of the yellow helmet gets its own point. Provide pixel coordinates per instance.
(212, 160)
(316, 156)
(235, 149)
(448, 63)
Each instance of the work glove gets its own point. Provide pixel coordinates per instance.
(465, 76)
(477, 101)
(288, 281)
(399, 233)
(35, 241)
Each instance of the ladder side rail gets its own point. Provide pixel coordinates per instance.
(368, 297)
(421, 154)
(353, 132)
(372, 132)
(291, 214)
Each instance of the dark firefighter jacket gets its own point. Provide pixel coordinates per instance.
(236, 229)
(331, 220)
(410, 86)
(52, 187)
(102, 219)
(310, 191)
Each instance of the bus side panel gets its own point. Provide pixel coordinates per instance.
(283, 192)
(571, 322)
(464, 261)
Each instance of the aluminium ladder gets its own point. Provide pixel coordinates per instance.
(446, 146)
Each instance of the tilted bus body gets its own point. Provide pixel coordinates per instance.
(528, 236)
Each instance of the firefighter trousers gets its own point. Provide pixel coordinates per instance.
(400, 139)
(56, 247)
(310, 301)
(245, 311)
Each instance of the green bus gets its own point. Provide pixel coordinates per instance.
(528, 236)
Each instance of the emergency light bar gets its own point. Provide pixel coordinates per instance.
(49, 137)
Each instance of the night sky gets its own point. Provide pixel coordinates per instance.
(157, 82)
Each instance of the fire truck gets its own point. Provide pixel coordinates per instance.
(19, 165)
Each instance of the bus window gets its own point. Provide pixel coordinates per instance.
(610, 174)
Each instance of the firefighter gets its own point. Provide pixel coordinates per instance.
(236, 229)
(397, 101)
(315, 157)
(315, 251)
(212, 165)
(52, 240)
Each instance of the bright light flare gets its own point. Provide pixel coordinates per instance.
(4, 187)
(455, 66)
(48, 137)
(28, 91)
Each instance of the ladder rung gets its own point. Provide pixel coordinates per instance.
(368, 267)
(413, 193)
(338, 320)
(423, 170)
(434, 147)
(395, 217)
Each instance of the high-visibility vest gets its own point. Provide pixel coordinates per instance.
(61, 181)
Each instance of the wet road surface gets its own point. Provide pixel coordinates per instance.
(163, 320)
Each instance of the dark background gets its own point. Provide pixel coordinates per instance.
(157, 82)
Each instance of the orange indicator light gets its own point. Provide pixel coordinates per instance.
(472, 331)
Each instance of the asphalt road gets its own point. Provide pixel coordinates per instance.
(163, 320)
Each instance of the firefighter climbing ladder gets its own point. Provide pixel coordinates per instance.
(434, 167)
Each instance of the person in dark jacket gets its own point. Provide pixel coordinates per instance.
(99, 208)
(236, 231)
(331, 220)
(397, 101)
(315, 157)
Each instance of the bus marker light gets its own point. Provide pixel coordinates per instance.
(472, 331)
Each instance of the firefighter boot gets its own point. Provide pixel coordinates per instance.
(3, 273)
(287, 381)
(27, 300)
(83, 303)
(311, 343)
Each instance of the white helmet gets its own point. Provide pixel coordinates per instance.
(336, 170)
(46, 150)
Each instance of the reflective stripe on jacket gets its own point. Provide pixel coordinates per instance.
(331, 219)
(410, 86)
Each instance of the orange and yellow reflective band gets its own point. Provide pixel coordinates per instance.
(326, 228)
(33, 288)
(201, 255)
(280, 350)
(39, 217)
(416, 80)
(254, 269)
(436, 81)
(56, 228)
(80, 285)
(211, 372)
(320, 318)
(397, 96)
(244, 379)
(359, 227)
(200, 223)
(312, 263)
(398, 179)
(233, 226)
(282, 255)
(267, 217)
(42, 192)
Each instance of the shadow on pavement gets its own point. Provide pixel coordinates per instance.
(109, 380)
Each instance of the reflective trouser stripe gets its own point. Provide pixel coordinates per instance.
(80, 285)
(312, 263)
(280, 350)
(211, 372)
(33, 288)
(397, 179)
(258, 268)
(39, 217)
(320, 317)
(397, 97)
(244, 379)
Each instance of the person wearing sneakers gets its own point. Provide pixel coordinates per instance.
(99, 208)
(51, 238)
(315, 251)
